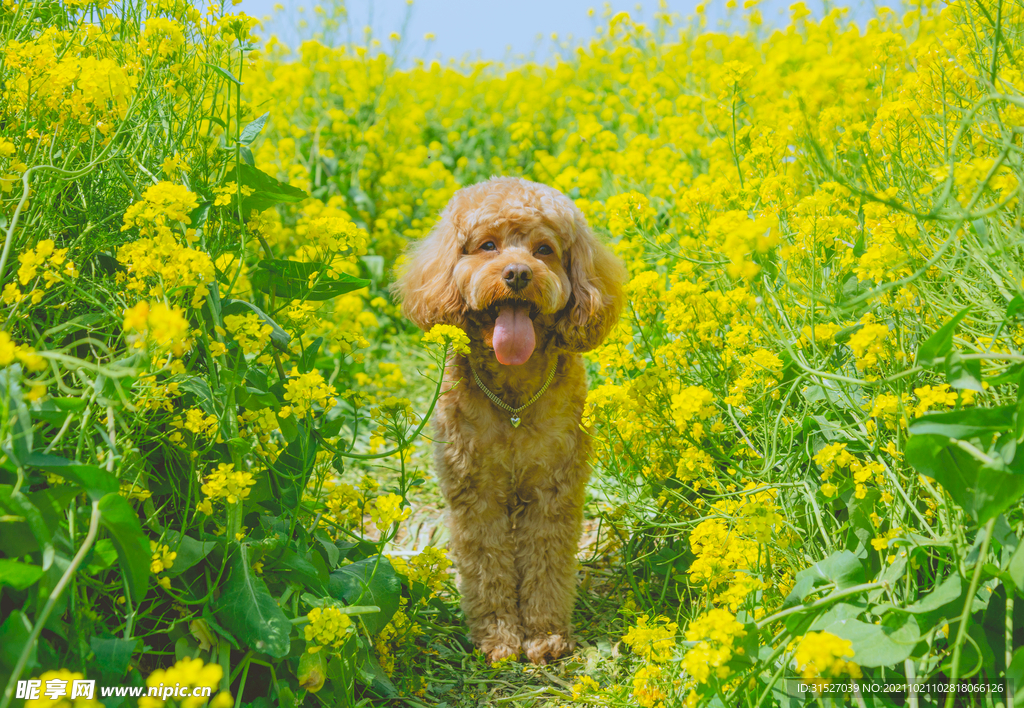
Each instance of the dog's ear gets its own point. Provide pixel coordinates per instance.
(596, 277)
(426, 284)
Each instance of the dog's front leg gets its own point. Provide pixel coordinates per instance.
(547, 536)
(481, 540)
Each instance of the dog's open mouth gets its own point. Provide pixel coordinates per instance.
(513, 330)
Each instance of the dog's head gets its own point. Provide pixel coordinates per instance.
(514, 262)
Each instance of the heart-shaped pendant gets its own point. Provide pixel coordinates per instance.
(515, 421)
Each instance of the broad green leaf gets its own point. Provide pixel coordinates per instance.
(290, 280)
(371, 581)
(250, 131)
(18, 575)
(14, 634)
(267, 191)
(947, 591)
(370, 672)
(934, 349)
(342, 672)
(963, 374)
(122, 523)
(1015, 307)
(843, 569)
(312, 673)
(113, 655)
(96, 481)
(302, 569)
(965, 424)
(278, 337)
(250, 612)
(17, 504)
(189, 550)
(982, 491)
(103, 555)
(878, 644)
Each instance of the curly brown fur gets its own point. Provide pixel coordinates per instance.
(515, 495)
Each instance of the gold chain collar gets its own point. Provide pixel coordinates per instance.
(515, 420)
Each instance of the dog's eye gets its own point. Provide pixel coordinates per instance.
(545, 250)
(489, 246)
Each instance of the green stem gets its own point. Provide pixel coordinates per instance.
(965, 615)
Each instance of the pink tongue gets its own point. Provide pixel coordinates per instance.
(513, 335)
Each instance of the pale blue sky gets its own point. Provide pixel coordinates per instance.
(496, 30)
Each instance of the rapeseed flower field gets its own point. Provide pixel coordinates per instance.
(807, 422)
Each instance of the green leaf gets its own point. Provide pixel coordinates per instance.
(878, 644)
(201, 390)
(290, 280)
(113, 655)
(247, 156)
(250, 612)
(17, 504)
(1015, 568)
(302, 569)
(1015, 307)
(961, 373)
(278, 337)
(934, 349)
(965, 424)
(18, 445)
(250, 131)
(267, 191)
(189, 550)
(96, 481)
(122, 523)
(18, 575)
(843, 569)
(74, 405)
(371, 581)
(370, 672)
(224, 73)
(982, 491)
(342, 672)
(947, 591)
(308, 358)
(14, 635)
(102, 556)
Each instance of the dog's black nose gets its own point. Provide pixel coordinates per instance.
(517, 276)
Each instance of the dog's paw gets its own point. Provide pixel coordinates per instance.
(547, 647)
(501, 652)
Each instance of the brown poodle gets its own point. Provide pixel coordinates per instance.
(514, 264)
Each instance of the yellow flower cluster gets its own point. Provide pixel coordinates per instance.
(429, 567)
(327, 628)
(448, 335)
(653, 642)
(303, 391)
(250, 331)
(189, 673)
(821, 655)
(46, 261)
(163, 559)
(227, 484)
(386, 510)
(161, 325)
(11, 352)
(715, 634)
